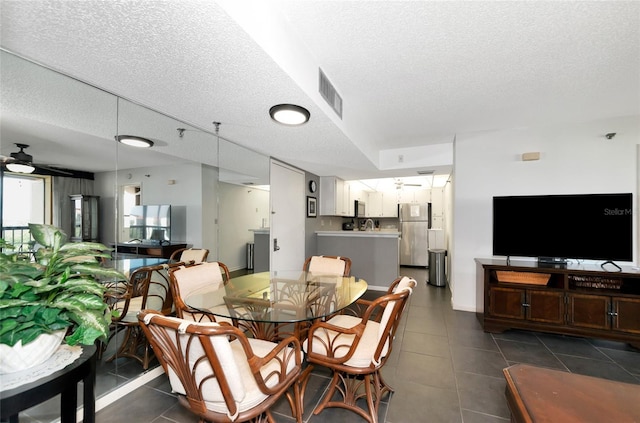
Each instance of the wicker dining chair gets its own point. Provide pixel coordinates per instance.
(190, 255)
(125, 300)
(221, 375)
(356, 348)
(332, 265)
(184, 280)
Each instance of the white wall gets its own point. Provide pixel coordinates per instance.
(573, 159)
(192, 196)
(241, 209)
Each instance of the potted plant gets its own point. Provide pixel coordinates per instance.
(60, 291)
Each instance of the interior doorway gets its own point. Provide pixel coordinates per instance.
(130, 196)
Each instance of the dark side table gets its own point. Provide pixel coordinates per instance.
(63, 382)
(536, 394)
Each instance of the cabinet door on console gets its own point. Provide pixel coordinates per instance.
(589, 311)
(627, 313)
(545, 306)
(507, 302)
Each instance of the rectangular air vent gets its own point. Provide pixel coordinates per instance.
(329, 93)
(425, 172)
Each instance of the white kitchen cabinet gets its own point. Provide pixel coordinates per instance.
(334, 197)
(414, 196)
(437, 211)
(374, 205)
(382, 204)
(389, 204)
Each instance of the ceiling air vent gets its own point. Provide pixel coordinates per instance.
(425, 172)
(329, 93)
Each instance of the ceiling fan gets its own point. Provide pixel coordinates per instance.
(401, 184)
(22, 162)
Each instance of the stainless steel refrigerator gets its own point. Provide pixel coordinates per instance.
(415, 221)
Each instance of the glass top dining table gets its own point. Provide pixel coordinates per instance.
(266, 302)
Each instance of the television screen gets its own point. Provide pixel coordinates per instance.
(150, 222)
(579, 226)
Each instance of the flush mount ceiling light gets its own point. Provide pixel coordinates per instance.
(289, 114)
(133, 141)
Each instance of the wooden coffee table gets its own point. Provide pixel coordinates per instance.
(536, 394)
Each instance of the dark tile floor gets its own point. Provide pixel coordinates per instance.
(444, 368)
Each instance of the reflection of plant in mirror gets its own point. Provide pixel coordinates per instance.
(60, 289)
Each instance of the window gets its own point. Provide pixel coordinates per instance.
(25, 199)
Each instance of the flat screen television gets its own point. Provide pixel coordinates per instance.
(555, 228)
(150, 223)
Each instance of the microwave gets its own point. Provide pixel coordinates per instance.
(359, 209)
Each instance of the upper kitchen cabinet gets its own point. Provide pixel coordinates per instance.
(335, 197)
(382, 204)
(414, 196)
(437, 209)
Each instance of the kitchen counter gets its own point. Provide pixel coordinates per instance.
(260, 231)
(377, 234)
(374, 254)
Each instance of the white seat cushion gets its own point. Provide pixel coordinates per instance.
(203, 275)
(135, 305)
(363, 355)
(325, 265)
(158, 289)
(193, 255)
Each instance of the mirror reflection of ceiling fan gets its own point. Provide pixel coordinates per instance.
(401, 184)
(22, 162)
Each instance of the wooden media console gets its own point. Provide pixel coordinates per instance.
(580, 300)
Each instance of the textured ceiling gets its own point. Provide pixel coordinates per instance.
(410, 74)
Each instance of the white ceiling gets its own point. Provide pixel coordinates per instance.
(410, 73)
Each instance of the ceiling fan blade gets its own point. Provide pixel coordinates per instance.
(52, 169)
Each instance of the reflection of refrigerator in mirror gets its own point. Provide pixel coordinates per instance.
(415, 222)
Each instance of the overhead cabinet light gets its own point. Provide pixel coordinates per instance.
(289, 114)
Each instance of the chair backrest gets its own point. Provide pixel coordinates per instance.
(187, 255)
(329, 265)
(159, 296)
(119, 296)
(184, 280)
(394, 304)
(390, 316)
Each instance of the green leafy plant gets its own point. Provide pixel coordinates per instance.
(61, 289)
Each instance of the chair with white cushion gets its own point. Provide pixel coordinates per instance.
(329, 265)
(356, 349)
(221, 375)
(189, 255)
(125, 300)
(184, 280)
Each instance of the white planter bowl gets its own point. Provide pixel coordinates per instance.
(21, 357)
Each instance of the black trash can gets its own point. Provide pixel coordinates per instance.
(437, 276)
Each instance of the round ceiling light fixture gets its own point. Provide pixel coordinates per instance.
(134, 141)
(289, 114)
(20, 167)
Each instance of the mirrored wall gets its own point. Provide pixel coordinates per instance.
(217, 190)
